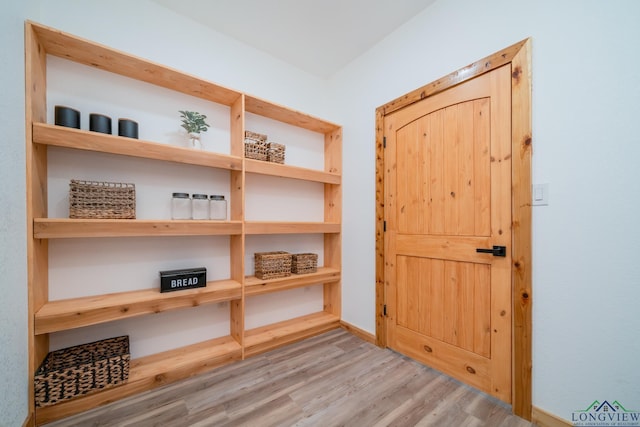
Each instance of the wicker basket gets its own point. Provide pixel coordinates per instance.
(270, 265)
(256, 150)
(275, 152)
(79, 370)
(255, 146)
(255, 136)
(304, 263)
(92, 199)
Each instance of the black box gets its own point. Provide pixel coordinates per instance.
(176, 280)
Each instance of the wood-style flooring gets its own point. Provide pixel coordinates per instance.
(334, 379)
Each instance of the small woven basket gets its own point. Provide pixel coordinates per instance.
(255, 146)
(76, 371)
(99, 200)
(304, 263)
(256, 150)
(271, 265)
(275, 153)
(255, 136)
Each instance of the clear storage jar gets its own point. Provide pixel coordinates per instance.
(180, 206)
(217, 207)
(200, 206)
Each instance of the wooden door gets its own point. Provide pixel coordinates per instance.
(447, 194)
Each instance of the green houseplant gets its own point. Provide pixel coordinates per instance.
(194, 123)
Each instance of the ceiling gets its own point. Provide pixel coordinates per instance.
(317, 36)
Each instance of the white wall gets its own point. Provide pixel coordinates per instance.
(13, 270)
(145, 29)
(586, 103)
(586, 72)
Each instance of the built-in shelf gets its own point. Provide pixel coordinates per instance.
(60, 228)
(73, 313)
(83, 51)
(255, 286)
(94, 141)
(278, 334)
(286, 115)
(150, 372)
(286, 171)
(277, 227)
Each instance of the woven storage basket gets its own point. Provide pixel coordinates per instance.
(304, 263)
(255, 146)
(76, 371)
(275, 152)
(93, 199)
(257, 150)
(270, 265)
(255, 136)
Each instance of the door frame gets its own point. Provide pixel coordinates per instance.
(518, 56)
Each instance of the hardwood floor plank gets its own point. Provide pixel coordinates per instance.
(173, 414)
(277, 413)
(333, 379)
(338, 406)
(212, 415)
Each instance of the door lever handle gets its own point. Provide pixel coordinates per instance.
(496, 251)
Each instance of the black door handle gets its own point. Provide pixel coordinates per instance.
(496, 251)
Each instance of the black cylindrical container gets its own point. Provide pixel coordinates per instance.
(128, 128)
(68, 117)
(100, 123)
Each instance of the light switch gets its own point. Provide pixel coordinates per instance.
(540, 195)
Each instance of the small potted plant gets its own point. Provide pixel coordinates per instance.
(193, 122)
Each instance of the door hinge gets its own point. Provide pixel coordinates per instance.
(384, 225)
(384, 142)
(384, 310)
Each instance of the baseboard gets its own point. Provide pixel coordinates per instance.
(29, 421)
(543, 418)
(358, 332)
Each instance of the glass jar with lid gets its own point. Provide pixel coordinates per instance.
(217, 207)
(200, 206)
(180, 206)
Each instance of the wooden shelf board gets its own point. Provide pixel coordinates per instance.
(53, 228)
(150, 372)
(283, 114)
(276, 227)
(60, 136)
(78, 312)
(93, 54)
(276, 335)
(255, 286)
(286, 171)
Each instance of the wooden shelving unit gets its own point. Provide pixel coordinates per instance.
(60, 228)
(274, 169)
(275, 227)
(47, 317)
(254, 286)
(47, 134)
(278, 334)
(72, 313)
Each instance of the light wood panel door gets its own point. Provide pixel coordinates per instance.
(448, 194)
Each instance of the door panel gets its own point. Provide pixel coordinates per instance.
(448, 192)
(457, 313)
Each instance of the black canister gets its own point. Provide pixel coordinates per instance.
(66, 116)
(128, 128)
(99, 123)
